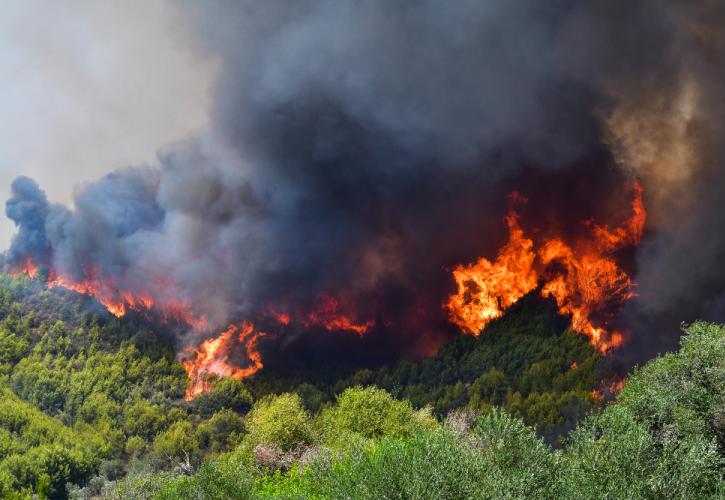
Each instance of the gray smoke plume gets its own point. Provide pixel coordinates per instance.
(359, 148)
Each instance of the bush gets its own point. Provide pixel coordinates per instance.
(177, 446)
(214, 481)
(519, 464)
(280, 421)
(372, 412)
(222, 431)
(135, 447)
(227, 393)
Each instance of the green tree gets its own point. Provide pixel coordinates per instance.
(227, 393)
(222, 431)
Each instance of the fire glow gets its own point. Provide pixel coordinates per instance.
(118, 301)
(327, 312)
(211, 357)
(584, 278)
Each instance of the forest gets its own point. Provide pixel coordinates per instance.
(92, 407)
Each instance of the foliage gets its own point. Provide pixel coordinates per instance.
(640, 447)
(179, 444)
(227, 393)
(527, 362)
(281, 421)
(92, 406)
(372, 412)
(38, 453)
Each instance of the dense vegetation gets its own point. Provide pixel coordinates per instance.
(92, 406)
(663, 438)
(527, 362)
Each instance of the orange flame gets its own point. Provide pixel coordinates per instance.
(585, 280)
(212, 358)
(27, 267)
(119, 302)
(486, 289)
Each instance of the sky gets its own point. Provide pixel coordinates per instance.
(87, 87)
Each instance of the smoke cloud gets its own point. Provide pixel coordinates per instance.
(360, 149)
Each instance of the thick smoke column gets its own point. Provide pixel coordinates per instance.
(357, 149)
(28, 208)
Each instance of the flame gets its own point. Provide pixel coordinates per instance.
(328, 314)
(27, 267)
(118, 301)
(212, 358)
(585, 280)
(282, 318)
(486, 289)
(609, 388)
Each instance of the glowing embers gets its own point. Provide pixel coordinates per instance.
(608, 389)
(328, 312)
(583, 278)
(212, 358)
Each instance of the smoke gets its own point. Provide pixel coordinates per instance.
(28, 209)
(360, 149)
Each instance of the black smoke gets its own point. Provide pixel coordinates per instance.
(359, 149)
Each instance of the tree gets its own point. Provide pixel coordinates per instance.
(227, 393)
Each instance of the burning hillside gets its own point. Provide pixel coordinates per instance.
(584, 277)
(354, 174)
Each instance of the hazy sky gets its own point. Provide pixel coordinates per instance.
(88, 86)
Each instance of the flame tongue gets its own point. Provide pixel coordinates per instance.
(27, 267)
(212, 358)
(486, 289)
(585, 280)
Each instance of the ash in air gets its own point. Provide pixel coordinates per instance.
(359, 151)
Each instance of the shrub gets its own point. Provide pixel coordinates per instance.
(280, 421)
(227, 393)
(372, 412)
(177, 446)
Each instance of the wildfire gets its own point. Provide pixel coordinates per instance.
(118, 301)
(328, 313)
(609, 389)
(486, 289)
(212, 358)
(584, 279)
(27, 267)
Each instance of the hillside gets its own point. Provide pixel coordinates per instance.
(528, 362)
(93, 404)
(663, 438)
